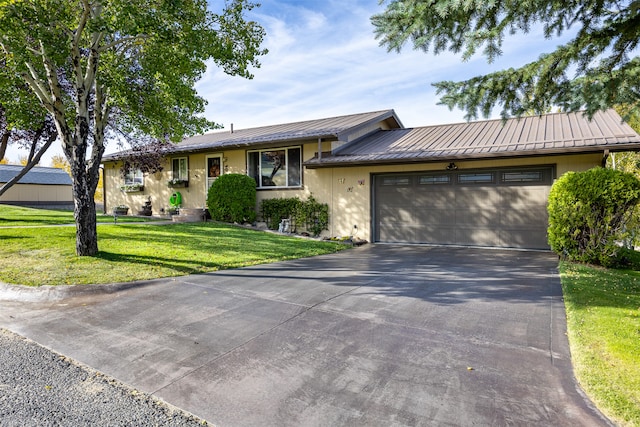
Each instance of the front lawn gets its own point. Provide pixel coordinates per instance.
(17, 216)
(603, 316)
(128, 252)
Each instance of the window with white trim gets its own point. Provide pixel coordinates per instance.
(134, 177)
(180, 168)
(276, 168)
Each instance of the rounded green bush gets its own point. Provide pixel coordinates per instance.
(232, 198)
(588, 212)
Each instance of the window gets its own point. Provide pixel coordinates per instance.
(434, 179)
(476, 178)
(180, 167)
(396, 180)
(523, 176)
(134, 177)
(281, 167)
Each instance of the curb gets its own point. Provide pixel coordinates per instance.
(21, 293)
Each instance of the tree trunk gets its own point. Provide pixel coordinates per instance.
(85, 216)
(84, 206)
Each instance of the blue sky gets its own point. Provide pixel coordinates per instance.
(324, 61)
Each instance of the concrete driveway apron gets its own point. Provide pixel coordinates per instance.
(377, 336)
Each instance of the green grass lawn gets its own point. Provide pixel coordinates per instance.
(20, 216)
(128, 252)
(603, 315)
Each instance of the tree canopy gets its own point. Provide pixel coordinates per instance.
(124, 67)
(597, 69)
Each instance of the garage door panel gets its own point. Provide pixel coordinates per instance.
(431, 198)
(435, 216)
(441, 234)
(398, 233)
(399, 197)
(532, 216)
(480, 197)
(523, 238)
(392, 215)
(523, 197)
(477, 236)
(477, 218)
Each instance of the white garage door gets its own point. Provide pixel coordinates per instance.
(497, 207)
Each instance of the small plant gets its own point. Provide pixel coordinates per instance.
(132, 188)
(176, 182)
(232, 198)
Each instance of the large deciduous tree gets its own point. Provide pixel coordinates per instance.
(96, 65)
(597, 69)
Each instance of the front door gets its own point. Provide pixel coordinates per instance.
(214, 169)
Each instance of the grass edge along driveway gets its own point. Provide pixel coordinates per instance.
(603, 320)
(128, 252)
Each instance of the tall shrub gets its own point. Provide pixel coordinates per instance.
(588, 213)
(232, 198)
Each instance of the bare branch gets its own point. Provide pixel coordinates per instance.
(34, 51)
(33, 161)
(38, 88)
(4, 142)
(84, 18)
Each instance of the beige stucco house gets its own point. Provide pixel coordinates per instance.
(40, 187)
(481, 183)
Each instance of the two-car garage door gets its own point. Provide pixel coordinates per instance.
(496, 207)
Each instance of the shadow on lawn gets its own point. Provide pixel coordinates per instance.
(182, 266)
(35, 221)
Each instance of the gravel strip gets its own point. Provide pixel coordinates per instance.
(41, 388)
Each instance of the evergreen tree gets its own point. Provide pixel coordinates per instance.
(595, 70)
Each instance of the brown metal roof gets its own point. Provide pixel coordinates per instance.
(539, 135)
(333, 127)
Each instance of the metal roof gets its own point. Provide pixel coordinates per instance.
(334, 127)
(527, 136)
(37, 175)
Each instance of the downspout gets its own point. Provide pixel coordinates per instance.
(319, 148)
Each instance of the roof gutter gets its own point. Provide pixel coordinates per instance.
(327, 162)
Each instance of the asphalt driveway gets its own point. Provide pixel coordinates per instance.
(376, 336)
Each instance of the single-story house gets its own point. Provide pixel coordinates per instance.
(482, 183)
(40, 187)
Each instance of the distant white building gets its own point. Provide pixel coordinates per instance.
(40, 187)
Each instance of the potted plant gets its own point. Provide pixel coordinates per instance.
(132, 188)
(121, 210)
(178, 183)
